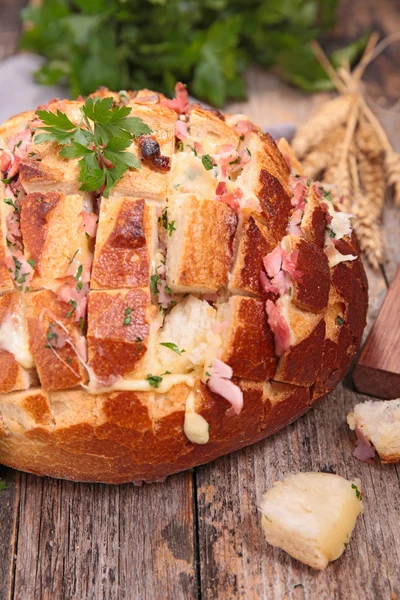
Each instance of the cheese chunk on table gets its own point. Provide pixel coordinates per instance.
(311, 516)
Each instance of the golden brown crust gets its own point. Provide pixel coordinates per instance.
(124, 244)
(57, 428)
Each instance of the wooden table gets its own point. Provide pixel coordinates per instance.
(198, 535)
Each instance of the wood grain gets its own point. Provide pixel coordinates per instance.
(93, 542)
(377, 371)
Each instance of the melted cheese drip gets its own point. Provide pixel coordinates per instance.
(195, 426)
(14, 337)
(138, 385)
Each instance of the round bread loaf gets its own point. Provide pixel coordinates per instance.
(209, 300)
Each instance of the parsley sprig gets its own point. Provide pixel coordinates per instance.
(100, 141)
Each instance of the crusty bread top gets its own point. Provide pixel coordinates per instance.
(173, 279)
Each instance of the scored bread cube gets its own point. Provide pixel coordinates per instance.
(189, 176)
(200, 247)
(248, 343)
(125, 243)
(210, 129)
(16, 360)
(256, 240)
(122, 327)
(50, 325)
(52, 234)
(150, 181)
(188, 327)
(311, 516)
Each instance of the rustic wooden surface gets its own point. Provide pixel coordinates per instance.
(198, 534)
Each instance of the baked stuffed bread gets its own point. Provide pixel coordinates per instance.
(206, 303)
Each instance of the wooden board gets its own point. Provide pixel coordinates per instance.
(198, 535)
(377, 371)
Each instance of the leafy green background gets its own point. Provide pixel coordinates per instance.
(126, 44)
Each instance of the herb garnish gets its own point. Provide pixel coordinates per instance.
(100, 141)
(154, 380)
(357, 491)
(339, 320)
(154, 279)
(172, 347)
(207, 162)
(11, 202)
(74, 305)
(128, 318)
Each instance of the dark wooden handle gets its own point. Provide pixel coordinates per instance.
(377, 371)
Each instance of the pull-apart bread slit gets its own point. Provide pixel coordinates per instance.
(172, 288)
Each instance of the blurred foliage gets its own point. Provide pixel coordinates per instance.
(125, 44)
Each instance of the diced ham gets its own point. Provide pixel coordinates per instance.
(20, 143)
(14, 234)
(300, 192)
(294, 226)
(364, 450)
(279, 326)
(59, 336)
(220, 383)
(14, 170)
(221, 369)
(181, 130)
(89, 223)
(242, 127)
(228, 390)
(209, 297)
(180, 104)
(267, 284)
(198, 147)
(81, 348)
(273, 261)
(221, 188)
(6, 159)
(289, 264)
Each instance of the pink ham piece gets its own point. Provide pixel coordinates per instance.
(89, 223)
(180, 104)
(294, 227)
(280, 327)
(20, 143)
(364, 450)
(220, 383)
(289, 263)
(181, 131)
(242, 127)
(198, 147)
(59, 338)
(6, 159)
(273, 262)
(68, 293)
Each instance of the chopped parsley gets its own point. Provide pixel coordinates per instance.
(72, 259)
(308, 182)
(357, 491)
(207, 162)
(74, 305)
(208, 374)
(100, 141)
(82, 324)
(331, 233)
(11, 202)
(51, 335)
(172, 347)
(339, 320)
(138, 340)
(128, 318)
(248, 152)
(234, 162)
(154, 380)
(8, 181)
(171, 227)
(168, 290)
(154, 279)
(31, 262)
(328, 195)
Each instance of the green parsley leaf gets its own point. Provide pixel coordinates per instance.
(82, 324)
(74, 305)
(31, 262)
(172, 347)
(339, 320)
(154, 279)
(11, 202)
(79, 272)
(163, 220)
(7, 181)
(207, 162)
(357, 491)
(101, 141)
(171, 228)
(51, 335)
(154, 380)
(138, 340)
(127, 321)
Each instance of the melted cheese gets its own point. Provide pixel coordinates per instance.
(189, 176)
(195, 426)
(14, 336)
(138, 385)
(311, 516)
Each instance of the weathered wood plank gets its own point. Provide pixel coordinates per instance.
(9, 500)
(95, 542)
